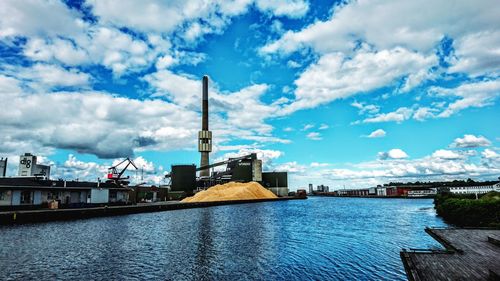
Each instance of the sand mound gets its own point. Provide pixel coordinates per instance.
(231, 191)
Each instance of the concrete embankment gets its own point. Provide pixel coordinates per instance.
(34, 216)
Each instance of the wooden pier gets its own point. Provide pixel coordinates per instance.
(469, 254)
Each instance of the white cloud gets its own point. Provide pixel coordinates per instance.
(477, 54)
(314, 136)
(323, 127)
(293, 64)
(475, 94)
(289, 8)
(316, 164)
(196, 17)
(31, 18)
(395, 153)
(9, 85)
(291, 167)
(400, 115)
(94, 122)
(469, 141)
(489, 154)
(49, 76)
(288, 129)
(424, 113)
(379, 133)
(58, 49)
(369, 108)
(307, 127)
(386, 25)
(337, 76)
(446, 154)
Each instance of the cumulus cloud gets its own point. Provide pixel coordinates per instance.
(475, 94)
(291, 167)
(400, 115)
(314, 136)
(490, 154)
(424, 113)
(477, 54)
(446, 154)
(386, 25)
(368, 108)
(30, 18)
(470, 141)
(94, 122)
(290, 8)
(395, 153)
(194, 16)
(337, 76)
(50, 76)
(379, 133)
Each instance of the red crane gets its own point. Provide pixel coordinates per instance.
(114, 175)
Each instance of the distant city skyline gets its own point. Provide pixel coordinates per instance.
(338, 93)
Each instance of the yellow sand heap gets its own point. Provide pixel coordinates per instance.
(232, 191)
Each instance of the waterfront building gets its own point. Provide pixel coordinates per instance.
(381, 191)
(428, 192)
(387, 191)
(475, 188)
(32, 192)
(353, 192)
(372, 191)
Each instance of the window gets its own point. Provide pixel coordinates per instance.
(2, 195)
(26, 197)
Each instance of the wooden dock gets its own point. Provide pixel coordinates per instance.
(469, 254)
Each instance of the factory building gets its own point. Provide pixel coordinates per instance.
(3, 167)
(247, 168)
(277, 182)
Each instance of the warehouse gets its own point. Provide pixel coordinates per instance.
(32, 192)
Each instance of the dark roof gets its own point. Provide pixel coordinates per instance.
(35, 182)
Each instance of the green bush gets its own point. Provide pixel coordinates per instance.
(462, 210)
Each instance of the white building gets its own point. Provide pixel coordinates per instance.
(422, 192)
(475, 189)
(29, 168)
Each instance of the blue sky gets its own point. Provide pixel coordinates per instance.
(349, 93)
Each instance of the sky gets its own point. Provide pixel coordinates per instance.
(343, 93)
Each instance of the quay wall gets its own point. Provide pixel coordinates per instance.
(34, 216)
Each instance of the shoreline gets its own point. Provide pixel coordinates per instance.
(374, 196)
(46, 215)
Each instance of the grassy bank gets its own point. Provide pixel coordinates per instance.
(466, 210)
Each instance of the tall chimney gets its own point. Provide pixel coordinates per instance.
(204, 136)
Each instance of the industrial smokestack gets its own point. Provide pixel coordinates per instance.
(204, 136)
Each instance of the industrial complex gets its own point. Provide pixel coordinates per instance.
(33, 187)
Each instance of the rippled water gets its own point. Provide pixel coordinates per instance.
(314, 239)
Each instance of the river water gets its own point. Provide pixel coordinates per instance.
(315, 239)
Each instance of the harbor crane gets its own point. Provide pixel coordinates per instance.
(115, 176)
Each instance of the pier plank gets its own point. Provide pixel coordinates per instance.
(468, 255)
